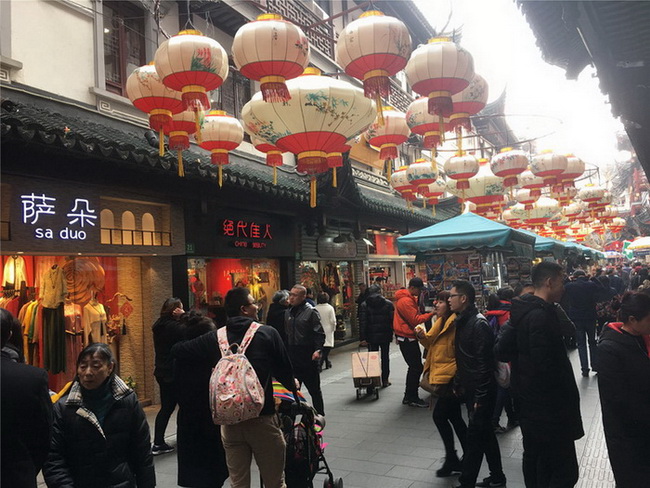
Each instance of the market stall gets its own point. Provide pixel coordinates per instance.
(473, 248)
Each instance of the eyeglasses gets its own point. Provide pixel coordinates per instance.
(456, 295)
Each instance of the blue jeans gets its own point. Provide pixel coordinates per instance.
(586, 334)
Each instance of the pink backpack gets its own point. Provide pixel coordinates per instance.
(235, 390)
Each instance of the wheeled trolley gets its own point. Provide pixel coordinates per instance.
(366, 373)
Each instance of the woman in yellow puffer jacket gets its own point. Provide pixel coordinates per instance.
(440, 364)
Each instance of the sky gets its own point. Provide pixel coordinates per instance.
(539, 99)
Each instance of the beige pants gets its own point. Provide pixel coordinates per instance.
(262, 438)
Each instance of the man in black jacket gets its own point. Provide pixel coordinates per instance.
(476, 383)
(376, 327)
(259, 436)
(543, 380)
(305, 339)
(26, 417)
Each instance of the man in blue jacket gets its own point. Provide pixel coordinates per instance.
(582, 295)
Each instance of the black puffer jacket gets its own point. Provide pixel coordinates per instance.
(624, 387)
(83, 456)
(376, 320)
(303, 327)
(167, 331)
(542, 376)
(474, 356)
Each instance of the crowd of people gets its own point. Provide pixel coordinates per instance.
(512, 356)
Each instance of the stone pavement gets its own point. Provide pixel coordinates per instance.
(384, 444)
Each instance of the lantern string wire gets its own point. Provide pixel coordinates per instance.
(188, 22)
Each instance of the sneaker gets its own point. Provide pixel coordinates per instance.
(492, 482)
(386, 384)
(451, 466)
(499, 429)
(158, 449)
(405, 401)
(418, 403)
(585, 373)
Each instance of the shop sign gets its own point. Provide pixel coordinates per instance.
(54, 218)
(247, 234)
(329, 249)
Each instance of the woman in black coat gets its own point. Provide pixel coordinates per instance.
(277, 309)
(201, 458)
(376, 327)
(624, 387)
(101, 436)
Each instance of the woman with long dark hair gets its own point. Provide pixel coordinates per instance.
(441, 367)
(624, 388)
(167, 331)
(100, 436)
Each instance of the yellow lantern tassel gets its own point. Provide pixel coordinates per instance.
(220, 176)
(312, 192)
(334, 182)
(197, 121)
(275, 175)
(380, 110)
(424, 203)
(459, 139)
(389, 169)
(181, 170)
(161, 142)
(433, 210)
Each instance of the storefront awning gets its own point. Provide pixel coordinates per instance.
(467, 231)
(547, 244)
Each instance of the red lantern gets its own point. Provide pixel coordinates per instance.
(438, 70)
(192, 64)
(469, 102)
(422, 173)
(221, 134)
(271, 51)
(149, 94)
(373, 48)
(433, 193)
(526, 198)
(421, 122)
(179, 130)
(273, 155)
(389, 134)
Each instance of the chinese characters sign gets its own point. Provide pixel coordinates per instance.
(247, 233)
(45, 214)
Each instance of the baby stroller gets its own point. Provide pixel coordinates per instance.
(302, 429)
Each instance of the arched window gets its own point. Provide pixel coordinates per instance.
(149, 231)
(128, 228)
(107, 223)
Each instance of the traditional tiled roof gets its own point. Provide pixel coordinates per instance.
(100, 140)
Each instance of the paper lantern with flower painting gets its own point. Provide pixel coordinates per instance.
(322, 114)
(461, 169)
(608, 214)
(532, 182)
(598, 227)
(438, 70)
(149, 94)
(575, 168)
(192, 64)
(421, 173)
(511, 219)
(526, 198)
(178, 131)
(273, 155)
(421, 122)
(221, 134)
(577, 231)
(591, 194)
(271, 50)
(549, 166)
(543, 210)
(485, 189)
(572, 210)
(468, 102)
(389, 134)
(373, 48)
(508, 164)
(433, 193)
(400, 183)
(560, 225)
(617, 225)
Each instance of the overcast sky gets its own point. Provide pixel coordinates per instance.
(539, 97)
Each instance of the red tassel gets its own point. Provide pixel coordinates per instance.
(377, 85)
(273, 159)
(275, 92)
(219, 158)
(312, 164)
(431, 141)
(335, 161)
(388, 151)
(441, 105)
(462, 184)
(195, 100)
(535, 192)
(510, 181)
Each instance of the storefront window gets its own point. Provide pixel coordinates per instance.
(210, 279)
(67, 302)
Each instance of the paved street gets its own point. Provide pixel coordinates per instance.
(382, 443)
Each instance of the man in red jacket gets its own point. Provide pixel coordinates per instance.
(405, 318)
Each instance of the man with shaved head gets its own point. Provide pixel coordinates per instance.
(305, 339)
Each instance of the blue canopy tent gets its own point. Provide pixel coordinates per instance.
(547, 244)
(587, 251)
(465, 232)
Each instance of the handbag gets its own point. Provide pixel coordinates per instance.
(502, 374)
(439, 390)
